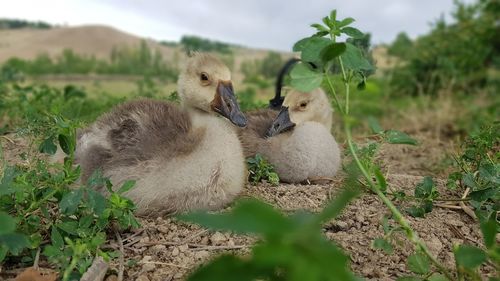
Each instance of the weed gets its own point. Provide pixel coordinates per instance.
(259, 169)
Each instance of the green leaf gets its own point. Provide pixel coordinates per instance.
(9, 174)
(65, 144)
(327, 22)
(425, 188)
(14, 242)
(468, 180)
(489, 229)
(3, 252)
(353, 59)
(311, 52)
(416, 212)
(97, 201)
(304, 79)
(490, 172)
(381, 243)
(56, 238)
(319, 27)
(299, 45)
(332, 51)
(248, 216)
(128, 185)
(8, 224)
(374, 125)
(484, 194)
(380, 179)
(48, 146)
(352, 32)
(70, 201)
(345, 22)
(418, 263)
(69, 227)
(333, 15)
(469, 256)
(397, 137)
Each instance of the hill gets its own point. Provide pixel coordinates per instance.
(96, 40)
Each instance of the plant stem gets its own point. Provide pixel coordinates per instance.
(332, 89)
(346, 85)
(410, 233)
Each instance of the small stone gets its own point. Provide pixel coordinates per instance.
(204, 240)
(144, 239)
(147, 267)
(360, 218)
(230, 242)
(200, 255)
(112, 278)
(435, 245)
(342, 225)
(146, 258)
(175, 252)
(157, 249)
(455, 222)
(163, 229)
(142, 278)
(217, 238)
(178, 275)
(183, 248)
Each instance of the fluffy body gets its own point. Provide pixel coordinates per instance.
(182, 158)
(306, 152)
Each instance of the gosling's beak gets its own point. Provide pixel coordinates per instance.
(226, 105)
(281, 123)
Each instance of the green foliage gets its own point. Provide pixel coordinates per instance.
(259, 72)
(291, 248)
(125, 61)
(195, 43)
(453, 56)
(401, 47)
(42, 206)
(425, 193)
(16, 24)
(271, 65)
(479, 170)
(259, 169)
(248, 101)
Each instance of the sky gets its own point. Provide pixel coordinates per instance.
(269, 24)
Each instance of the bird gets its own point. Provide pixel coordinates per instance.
(182, 158)
(297, 139)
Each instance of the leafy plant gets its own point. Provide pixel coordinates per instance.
(44, 207)
(259, 169)
(479, 170)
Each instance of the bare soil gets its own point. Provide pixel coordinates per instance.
(166, 249)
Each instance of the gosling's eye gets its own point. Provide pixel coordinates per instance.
(303, 105)
(203, 76)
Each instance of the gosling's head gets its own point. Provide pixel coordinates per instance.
(299, 107)
(205, 84)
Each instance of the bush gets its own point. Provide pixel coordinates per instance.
(454, 56)
(125, 61)
(195, 43)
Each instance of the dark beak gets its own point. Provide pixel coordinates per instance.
(281, 123)
(226, 105)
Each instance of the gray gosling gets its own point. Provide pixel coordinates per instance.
(182, 158)
(297, 140)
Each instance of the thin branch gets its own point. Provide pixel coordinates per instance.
(121, 268)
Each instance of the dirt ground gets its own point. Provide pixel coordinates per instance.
(166, 249)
